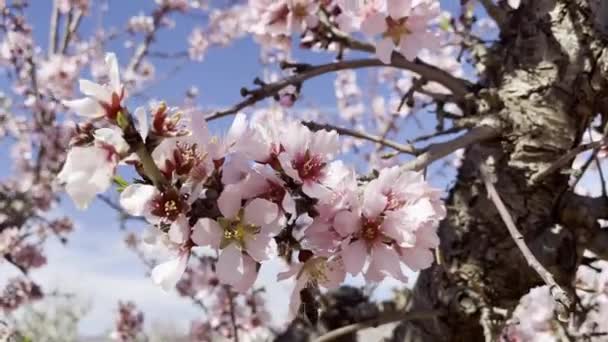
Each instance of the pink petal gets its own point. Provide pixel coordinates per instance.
(113, 72)
(354, 256)
(384, 262)
(514, 3)
(374, 24)
(96, 91)
(260, 247)
(180, 230)
(168, 273)
(207, 232)
(134, 198)
(86, 107)
(374, 202)
(261, 212)
(230, 265)
(398, 9)
(417, 258)
(229, 201)
(292, 271)
(250, 273)
(315, 190)
(384, 50)
(142, 122)
(334, 273)
(346, 223)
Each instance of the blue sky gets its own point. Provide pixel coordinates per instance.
(95, 264)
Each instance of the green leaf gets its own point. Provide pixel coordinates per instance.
(122, 120)
(120, 182)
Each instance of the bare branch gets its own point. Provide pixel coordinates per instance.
(459, 87)
(440, 150)
(268, 90)
(70, 28)
(495, 12)
(581, 214)
(54, 29)
(385, 318)
(409, 149)
(232, 314)
(561, 297)
(563, 161)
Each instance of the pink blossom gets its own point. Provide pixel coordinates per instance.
(101, 99)
(307, 155)
(326, 273)
(243, 234)
(284, 17)
(403, 24)
(198, 45)
(88, 170)
(397, 223)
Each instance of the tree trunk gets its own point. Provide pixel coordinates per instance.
(543, 81)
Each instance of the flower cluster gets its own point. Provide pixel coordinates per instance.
(403, 25)
(129, 323)
(265, 189)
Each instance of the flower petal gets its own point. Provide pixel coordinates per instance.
(346, 223)
(142, 122)
(134, 198)
(207, 232)
(260, 246)
(229, 201)
(180, 230)
(384, 50)
(398, 9)
(261, 212)
(86, 107)
(95, 91)
(374, 24)
(354, 256)
(113, 72)
(230, 265)
(384, 262)
(168, 273)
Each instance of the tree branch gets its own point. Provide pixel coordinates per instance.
(70, 28)
(440, 150)
(409, 149)
(268, 90)
(385, 318)
(561, 297)
(563, 161)
(54, 29)
(459, 87)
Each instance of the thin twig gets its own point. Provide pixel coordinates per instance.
(8, 257)
(268, 90)
(54, 29)
(563, 161)
(495, 13)
(70, 28)
(409, 149)
(385, 318)
(440, 150)
(560, 296)
(233, 314)
(459, 87)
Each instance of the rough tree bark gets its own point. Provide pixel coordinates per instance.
(543, 80)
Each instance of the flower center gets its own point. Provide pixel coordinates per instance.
(309, 167)
(167, 205)
(235, 230)
(396, 29)
(370, 229)
(300, 11)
